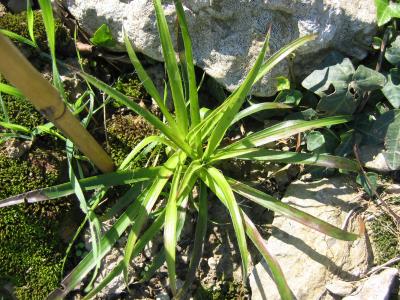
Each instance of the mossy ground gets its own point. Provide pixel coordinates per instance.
(225, 290)
(30, 247)
(385, 237)
(17, 23)
(126, 130)
(124, 133)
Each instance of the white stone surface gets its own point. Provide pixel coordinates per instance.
(377, 287)
(309, 259)
(228, 34)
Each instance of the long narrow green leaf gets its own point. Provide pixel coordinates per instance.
(255, 108)
(143, 143)
(174, 76)
(322, 160)
(8, 89)
(170, 133)
(30, 21)
(189, 177)
(193, 96)
(145, 209)
(284, 130)
(109, 239)
(125, 200)
(94, 223)
(147, 236)
(267, 66)
(17, 37)
(170, 239)
(15, 127)
(200, 233)
(236, 102)
(90, 183)
(275, 205)
(221, 188)
(147, 82)
(281, 54)
(50, 27)
(276, 271)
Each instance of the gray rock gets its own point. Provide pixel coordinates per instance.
(228, 34)
(16, 6)
(310, 259)
(377, 287)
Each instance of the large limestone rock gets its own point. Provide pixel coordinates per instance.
(311, 260)
(228, 34)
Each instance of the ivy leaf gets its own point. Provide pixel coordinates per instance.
(320, 81)
(368, 182)
(283, 83)
(367, 79)
(386, 10)
(386, 129)
(341, 101)
(392, 53)
(103, 37)
(392, 141)
(315, 140)
(289, 97)
(392, 88)
(341, 87)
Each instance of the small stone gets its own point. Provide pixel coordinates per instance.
(377, 287)
(373, 158)
(15, 148)
(212, 263)
(162, 296)
(340, 288)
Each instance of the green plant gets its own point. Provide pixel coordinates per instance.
(194, 152)
(386, 10)
(30, 246)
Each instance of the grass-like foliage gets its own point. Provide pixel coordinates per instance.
(194, 151)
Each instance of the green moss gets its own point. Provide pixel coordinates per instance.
(124, 133)
(224, 291)
(17, 24)
(131, 87)
(22, 112)
(386, 239)
(30, 246)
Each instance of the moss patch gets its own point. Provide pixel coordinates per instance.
(124, 133)
(130, 86)
(385, 238)
(224, 291)
(17, 24)
(21, 111)
(30, 248)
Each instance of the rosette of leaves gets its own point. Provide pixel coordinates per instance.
(341, 87)
(194, 153)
